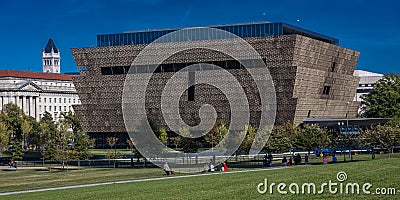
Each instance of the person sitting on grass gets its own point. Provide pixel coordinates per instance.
(290, 161)
(306, 159)
(298, 159)
(206, 167)
(225, 166)
(334, 158)
(167, 169)
(284, 161)
(270, 157)
(12, 164)
(211, 167)
(325, 159)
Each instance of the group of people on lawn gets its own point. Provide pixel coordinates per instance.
(297, 160)
(208, 167)
(267, 162)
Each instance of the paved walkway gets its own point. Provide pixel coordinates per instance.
(134, 181)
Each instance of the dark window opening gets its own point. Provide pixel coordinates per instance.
(179, 66)
(106, 71)
(333, 66)
(191, 89)
(126, 68)
(118, 70)
(174, 67)
(326, 89)
(168, 68)
(232, 64)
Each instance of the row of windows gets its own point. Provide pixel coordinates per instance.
(364, 90)
(54, 115)
(49, 100)
(366, 85)
(55, 84)
(229, 64)
(146, 37)
(49, 108)
(48, 62)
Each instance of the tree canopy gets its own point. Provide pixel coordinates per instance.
(56, 141)
(384, 99)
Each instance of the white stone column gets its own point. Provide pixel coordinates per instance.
(11, 99)
(25, 104)
(17, 101)
(1, 102)
(5, 98)
(37, 117)
(31, 107)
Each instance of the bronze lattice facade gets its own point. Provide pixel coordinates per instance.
(312, 78)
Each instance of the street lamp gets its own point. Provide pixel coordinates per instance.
(347, 127)
(347, 116)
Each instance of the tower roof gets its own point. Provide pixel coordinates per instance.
(50, 45)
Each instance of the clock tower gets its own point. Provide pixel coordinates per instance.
(51, 58)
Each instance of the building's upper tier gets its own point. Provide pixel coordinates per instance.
(256, 29)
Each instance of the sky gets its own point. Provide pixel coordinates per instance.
(370, 27)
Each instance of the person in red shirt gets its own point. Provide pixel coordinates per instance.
(225, 167)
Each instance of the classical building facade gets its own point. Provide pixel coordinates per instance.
(39, 92)
(312, 75)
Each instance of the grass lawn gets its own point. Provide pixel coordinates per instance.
(383, 173)
(24, 179)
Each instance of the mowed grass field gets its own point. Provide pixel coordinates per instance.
(382, 173)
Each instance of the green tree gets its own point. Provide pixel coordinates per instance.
(4, 137)
(16, 151)
(188, 144)
(384, 99)
(26, 128)
(81, 143)
(279, 140)
(249, 134)
(47, 138)
(112, 141)
(291, 131)
(176, 141)
(63, 141)
(71, 119)
(311, 137)
(385, 136)
(163, 136)
(217, 134)
(13, 117)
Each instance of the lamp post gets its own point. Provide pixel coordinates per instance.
(347, 128)
(347, 116)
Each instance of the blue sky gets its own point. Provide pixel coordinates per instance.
(371, 27)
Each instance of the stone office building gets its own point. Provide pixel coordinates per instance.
(39, 92)
(312, 76)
